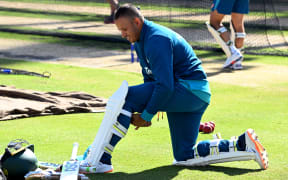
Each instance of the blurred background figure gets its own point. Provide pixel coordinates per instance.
(114, 4)
(233, 44)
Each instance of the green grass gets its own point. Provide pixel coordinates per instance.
(146, 153)
(86, 79)
(285, 33)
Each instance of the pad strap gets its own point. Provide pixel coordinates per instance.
(240, 34)
(214, 150)
(196, 154)
(221, 30)
(232, 144)
(109, 149)
(126, 113)
(119, 130)
(217, 136)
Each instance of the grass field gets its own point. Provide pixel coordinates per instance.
(147, 153)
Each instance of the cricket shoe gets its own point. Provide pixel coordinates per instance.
(237, 65)
(254, 145)
(85, 168)
(235, 57)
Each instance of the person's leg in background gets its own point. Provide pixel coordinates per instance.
(237, 21)
(114, 4)
(238, 25)
(240, 8)
(216, 22)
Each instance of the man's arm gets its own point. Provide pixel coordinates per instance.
(159, 52)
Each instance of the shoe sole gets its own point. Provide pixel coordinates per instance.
(261, 154)
(92, 170)
(236, 68)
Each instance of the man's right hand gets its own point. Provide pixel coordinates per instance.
(137, 121)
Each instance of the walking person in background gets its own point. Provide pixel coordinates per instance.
(233, 44)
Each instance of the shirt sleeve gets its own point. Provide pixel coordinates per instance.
(159, 52)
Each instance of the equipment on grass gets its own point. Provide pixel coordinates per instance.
(207, 127)
(253, 151)
(216, 34)
(48, 175)
(23, 72)
(47, 165)
(109, 126)
(70, 169)
(216, 156)
(18, 159)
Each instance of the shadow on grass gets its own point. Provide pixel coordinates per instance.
(170, 172)
(220, 70)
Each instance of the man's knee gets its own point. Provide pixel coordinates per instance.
(215, 23)
(182, 154)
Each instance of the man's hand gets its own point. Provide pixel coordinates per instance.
(137, 121)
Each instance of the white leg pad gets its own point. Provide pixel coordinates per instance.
(218, 158)
(109, 126)
(218, 39)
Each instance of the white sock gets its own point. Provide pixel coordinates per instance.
(233, 49)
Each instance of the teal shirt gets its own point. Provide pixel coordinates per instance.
(166, 58)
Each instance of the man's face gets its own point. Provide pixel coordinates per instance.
(129, 28)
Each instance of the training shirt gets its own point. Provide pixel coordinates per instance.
(166, 57)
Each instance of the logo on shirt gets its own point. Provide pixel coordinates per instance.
(148, 71)
(147, 60)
